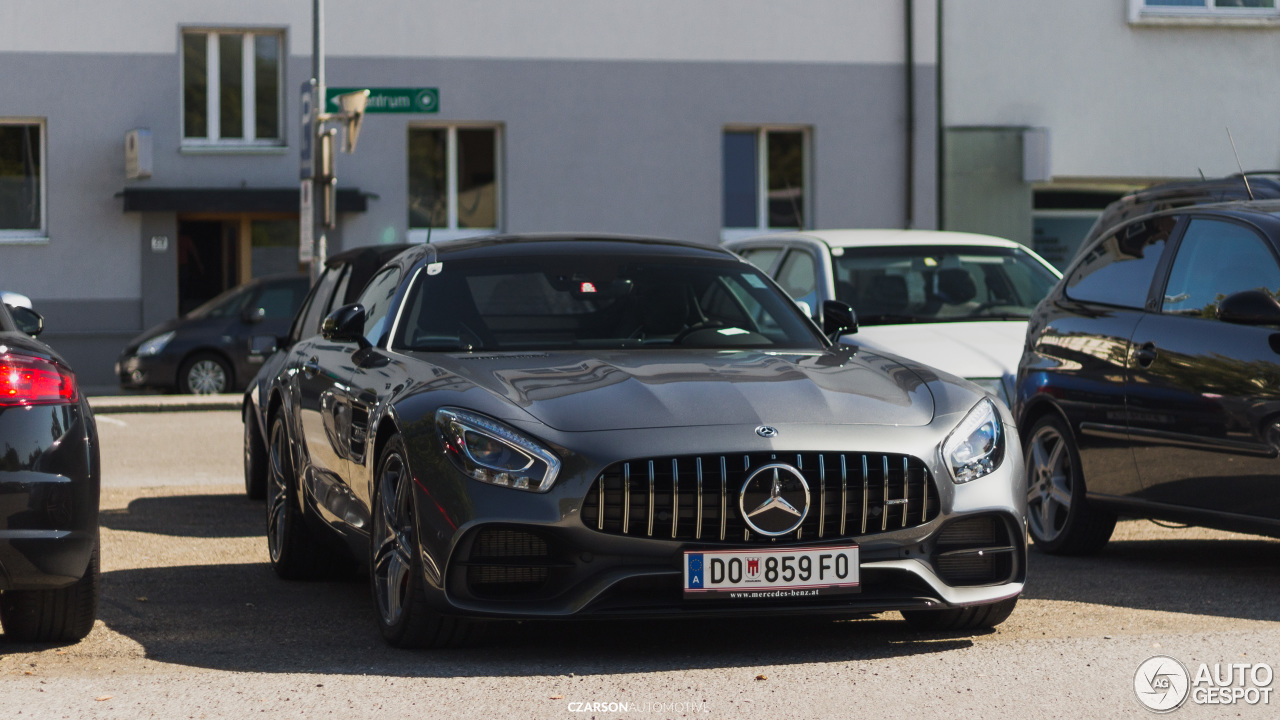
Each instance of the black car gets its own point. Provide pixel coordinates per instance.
(207, 350)
(560, 427)
(340, 283)
(49, 487)
(1150, 382)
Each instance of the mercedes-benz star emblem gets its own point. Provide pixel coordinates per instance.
(774, 499)
(765, 431)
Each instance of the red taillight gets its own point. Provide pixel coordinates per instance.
(34, 381)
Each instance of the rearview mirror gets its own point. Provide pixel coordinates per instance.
(253, 315)
(1250, 307)
(28, 321)
(838, 319)
(346, 324)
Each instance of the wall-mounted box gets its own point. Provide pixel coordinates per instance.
(137, 154)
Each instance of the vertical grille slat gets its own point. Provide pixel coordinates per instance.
(616, 505)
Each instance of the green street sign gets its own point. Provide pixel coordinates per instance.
(390, 100)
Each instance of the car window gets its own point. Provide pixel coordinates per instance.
(280, 302)
(940, 283)
(798, 276)
(1216, 259)
(1118, 271)
(549, 302)
(762, 258)
(317, 306)
(376, 300)
(227, 304)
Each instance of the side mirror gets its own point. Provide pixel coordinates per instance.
(28, 321)
(838, 319)
(263, 345)
(253, 315)
(346, 324)
(1250, 307)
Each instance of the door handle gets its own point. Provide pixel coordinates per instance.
(1146, 354)
(311, 367)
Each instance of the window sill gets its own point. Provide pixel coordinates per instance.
(23, 239)
(419, 235)
(233, 149)
(1172, 19)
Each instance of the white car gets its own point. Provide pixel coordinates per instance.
(956, 301)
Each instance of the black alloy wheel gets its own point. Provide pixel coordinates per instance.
(294, 552)
(255, 457)
(1060, 517)
(395, 567)
(63, 615)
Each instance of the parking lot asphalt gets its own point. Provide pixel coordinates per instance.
(193, 623)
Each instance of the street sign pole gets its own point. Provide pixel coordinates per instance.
(320, 243)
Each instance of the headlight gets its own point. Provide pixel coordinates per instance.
(976, 447)
(155, 344)
(492, 452)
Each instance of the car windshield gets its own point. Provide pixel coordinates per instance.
(926, 284)
(554, 302)
(227, 304)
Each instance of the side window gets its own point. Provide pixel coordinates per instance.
(1216, 259)
(314, 312)
(376, 300)
(763, 258)
(798, 276)
(1118, 270)
(281, 302)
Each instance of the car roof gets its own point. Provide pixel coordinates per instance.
(881, 237)
(367, 253)
(558, 243)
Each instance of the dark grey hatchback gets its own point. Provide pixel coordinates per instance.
(1150, 381)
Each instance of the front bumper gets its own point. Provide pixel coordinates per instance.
(562, 565)
(49, 492)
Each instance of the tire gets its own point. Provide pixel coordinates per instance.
(1060, 517)
(64, 615)
(974, 617)
(204, 374)
(255, 458)
(395, 564)
(293, 548)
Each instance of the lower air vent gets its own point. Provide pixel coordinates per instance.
(975, 551)
(507, 564)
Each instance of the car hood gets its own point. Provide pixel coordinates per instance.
(621, 390)
(968, 349)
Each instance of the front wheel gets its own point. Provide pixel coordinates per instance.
(204, 374)
(1060, 517)
(255, 458)
(294, 551)
(395, 566)
(974, 617)
(62, 615)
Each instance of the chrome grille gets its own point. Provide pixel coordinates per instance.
(695, 497)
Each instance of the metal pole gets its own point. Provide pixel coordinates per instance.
(321, 106)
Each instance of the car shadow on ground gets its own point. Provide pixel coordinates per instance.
(195, 516)
(241, 617)
(1232, 578)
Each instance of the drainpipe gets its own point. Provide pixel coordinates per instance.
(909, 63)
(940, 129)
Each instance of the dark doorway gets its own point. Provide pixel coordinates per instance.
(207, 260)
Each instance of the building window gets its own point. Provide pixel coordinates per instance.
(232, 87)
(1192, 10)
(22, 152)
(453, 181)
(765, 181)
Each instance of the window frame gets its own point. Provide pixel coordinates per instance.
(452, 231)
(1140, 12)
(38, 235)
(213, 141)
(762, 180)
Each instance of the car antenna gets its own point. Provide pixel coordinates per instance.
(1201, 173)
(1243, 176)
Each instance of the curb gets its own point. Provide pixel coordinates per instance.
(102, 405)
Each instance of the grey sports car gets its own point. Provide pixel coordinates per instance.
(558, 427)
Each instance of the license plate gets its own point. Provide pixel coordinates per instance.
(771, 572)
